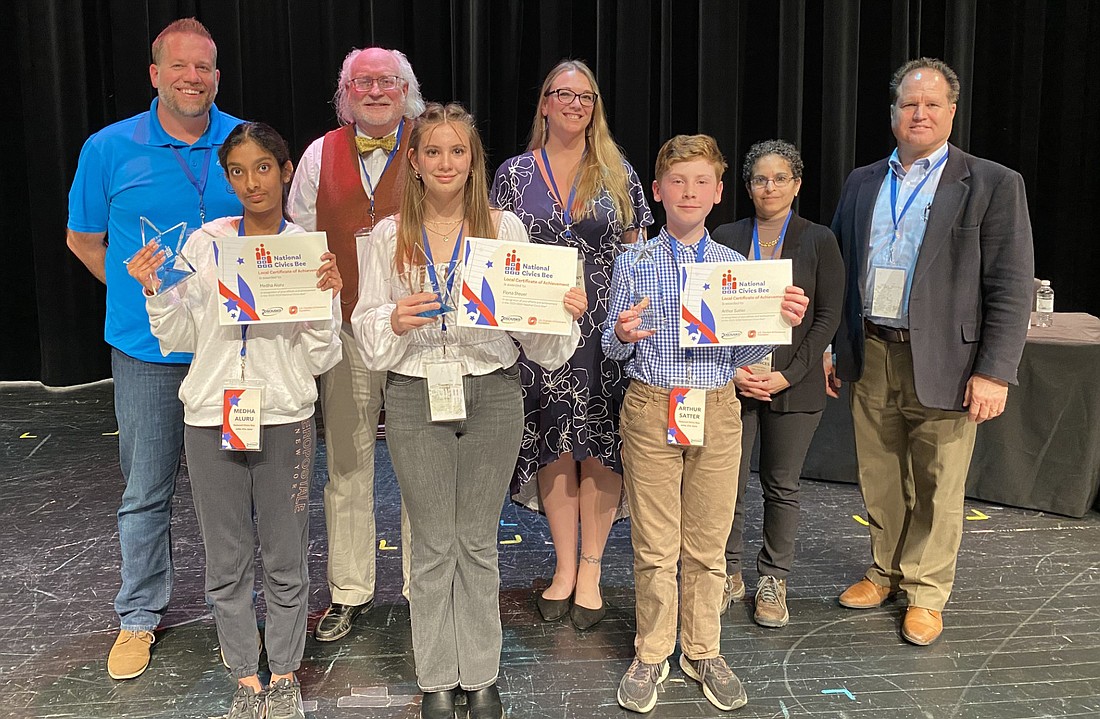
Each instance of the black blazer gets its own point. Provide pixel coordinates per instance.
(819, 271)
(972, 285)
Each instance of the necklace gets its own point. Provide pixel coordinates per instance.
(446, 235)
(773, 243)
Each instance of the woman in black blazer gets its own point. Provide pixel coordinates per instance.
(782, 398)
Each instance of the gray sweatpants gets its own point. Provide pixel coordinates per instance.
(228, 487)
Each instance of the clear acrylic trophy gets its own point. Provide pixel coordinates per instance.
(643, 281)
(176, 267)
(426, 278)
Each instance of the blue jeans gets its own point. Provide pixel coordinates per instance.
(150, 439)
(453, 478)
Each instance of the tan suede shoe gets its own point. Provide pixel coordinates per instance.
(865, 594)
(130, 655)
(922, 626)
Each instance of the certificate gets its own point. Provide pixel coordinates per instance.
(734, 303)
(517, 286)
(271, 278)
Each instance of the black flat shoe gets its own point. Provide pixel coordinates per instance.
(553, 609)
(584, 618)
(438, 705)
(485, 703)
(337, 621)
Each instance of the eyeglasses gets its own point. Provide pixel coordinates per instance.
(759, 182)
(565, 97)
(385, 82)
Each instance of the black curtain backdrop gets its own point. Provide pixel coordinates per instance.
(811, 71)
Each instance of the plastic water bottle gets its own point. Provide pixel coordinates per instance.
(1044, 305)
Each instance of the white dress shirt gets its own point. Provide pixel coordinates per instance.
(479, 351)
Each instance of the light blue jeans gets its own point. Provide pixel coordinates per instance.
(453, 478)
(150, 440)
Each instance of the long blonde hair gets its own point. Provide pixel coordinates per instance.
(478, 218)
(603, 166)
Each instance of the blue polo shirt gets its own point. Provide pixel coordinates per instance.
(127, 171)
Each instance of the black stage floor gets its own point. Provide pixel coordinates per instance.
(1022, 637)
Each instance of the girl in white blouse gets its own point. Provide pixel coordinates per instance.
(453, 473)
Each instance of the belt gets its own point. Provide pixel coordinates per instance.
(886, 334)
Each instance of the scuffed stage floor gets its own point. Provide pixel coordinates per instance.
(1022, 632)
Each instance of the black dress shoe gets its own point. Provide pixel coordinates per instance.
(485, 703)
(438, 705)
(553, 609)
(584, 618)
(337, 621)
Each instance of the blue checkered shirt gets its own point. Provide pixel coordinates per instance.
(658, 360)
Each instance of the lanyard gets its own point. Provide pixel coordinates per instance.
(567, 208)
(244, 328)
(778, 244)
(389, 159)
(699, 249)
(908, 203)
(199, 183)
(431, 267)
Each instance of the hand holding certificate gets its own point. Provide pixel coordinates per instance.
(518, 286)
(273, 278)
(735, 303)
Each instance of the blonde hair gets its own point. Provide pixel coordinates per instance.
(478, 218)
(685, 148)
(603, 166)
(183, 26)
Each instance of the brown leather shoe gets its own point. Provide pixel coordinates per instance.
(922, 626)
(130, 654)
(865, 594)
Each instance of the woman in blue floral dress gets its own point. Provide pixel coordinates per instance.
(574, 188)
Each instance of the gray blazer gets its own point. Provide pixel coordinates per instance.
(972, 286)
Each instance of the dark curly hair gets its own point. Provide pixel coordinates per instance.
(782, 148)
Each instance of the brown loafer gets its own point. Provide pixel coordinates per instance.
(922, 626)
(865, 594)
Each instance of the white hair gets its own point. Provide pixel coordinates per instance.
(414, 103)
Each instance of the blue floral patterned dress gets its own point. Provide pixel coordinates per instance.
(574, 409)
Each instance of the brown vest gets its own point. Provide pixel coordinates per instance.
(344, 207)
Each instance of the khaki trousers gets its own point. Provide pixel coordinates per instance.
(351, 400)
(913, 463)
(681, 507)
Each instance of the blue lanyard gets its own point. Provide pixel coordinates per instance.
(199, 183)
(699, 250)
(908, 203)
(244, 328)
(778, 245)
(431, 266)
(567, 208)
(389, 159)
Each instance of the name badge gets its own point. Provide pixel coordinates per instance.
(580, 272)
(241, 416)
(687, 409)
(887, 292)
(764, 366)
(446, 395)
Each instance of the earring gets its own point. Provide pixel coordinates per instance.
(416, 174)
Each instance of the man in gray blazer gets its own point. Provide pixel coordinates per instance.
(939, 264)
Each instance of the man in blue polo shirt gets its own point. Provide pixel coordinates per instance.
(161, 165)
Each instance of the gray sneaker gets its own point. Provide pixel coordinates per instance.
(734, 591)
(638, 688)
(284, 700)
(771, 602)
(720, 685)
(247, 704)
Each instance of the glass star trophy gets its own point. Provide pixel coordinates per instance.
(643, 281)
(176, 267)
(427, 278)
